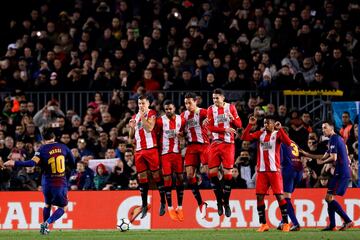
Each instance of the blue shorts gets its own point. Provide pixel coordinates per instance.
(290, 179)
(55, 196)
(338, 185)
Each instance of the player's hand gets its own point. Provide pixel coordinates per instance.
(205, 122)
(319, 161)
(252, 120)
(10, 163)
(230, 130)
(132, 123)
(278, 125)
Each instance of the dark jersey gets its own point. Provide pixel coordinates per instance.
(53, 159)
(290, 157)
(338, 146)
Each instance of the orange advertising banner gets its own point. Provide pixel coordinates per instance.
(103, 210)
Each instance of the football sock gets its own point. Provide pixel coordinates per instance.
(144, 188)
(283, 208)
(195, 190)
(180, 193)
(291, 212)
(168, 196)
(215, 183)
(160, 186)
(46, 213)
(227, 191)
(331, 212)
(338, 209)
(261, 212)
(55, 216)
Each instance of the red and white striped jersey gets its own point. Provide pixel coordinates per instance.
(269, 145)
(219, 120)
(143, 139)
(169, 129)
(195, 131)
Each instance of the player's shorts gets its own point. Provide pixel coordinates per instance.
(265, 180)
(291, 178)
(220, 152)
(196, 153)
(55, 195)
(172, 163)
(147, 159)
(338, 185)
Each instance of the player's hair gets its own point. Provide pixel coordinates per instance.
(328, 122)
(48, 133)
(218, 91)
(190, 95)
(270, 117)
(168, 102)
(143, 97)
(346, 112)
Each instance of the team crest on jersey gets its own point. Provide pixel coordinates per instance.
(222, 118)
(266, 145)
(139, 125)
(192, 123)
(170, 133)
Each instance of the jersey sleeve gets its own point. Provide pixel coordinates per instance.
(248, 136)
(283, 137)
(37, 156)
(236, 121)
(203, 114)
(333, 145)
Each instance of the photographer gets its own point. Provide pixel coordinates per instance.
(245, 170)
(48, 115)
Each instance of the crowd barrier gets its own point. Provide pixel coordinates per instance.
(102, 210)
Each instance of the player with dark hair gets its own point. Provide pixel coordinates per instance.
(223, 120)
(171, 128)
(53, 158)
(268, 166)
(291, 171)
(142, 127)
(197, 145)
(337, 155)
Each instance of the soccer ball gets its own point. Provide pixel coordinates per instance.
(124, 225)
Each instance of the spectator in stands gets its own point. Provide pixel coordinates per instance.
(80, 179)
(237, 180)
(119, 178)
(309, 178)
(101, 177)
(346, 126)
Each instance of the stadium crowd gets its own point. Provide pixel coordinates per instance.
(145, 46)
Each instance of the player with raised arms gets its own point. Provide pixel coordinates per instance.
(268, 166)
(222, 120)
(142, 127)
(197, 141)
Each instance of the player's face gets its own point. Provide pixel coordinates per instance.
(269, 125)
(218, 99)
(327, 129)
(190, 104)
(169, 110)
(143, 105)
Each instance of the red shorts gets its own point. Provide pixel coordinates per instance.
(147, 159)
(172, 163)
(264, 180)
(196, 153)
(220, 152)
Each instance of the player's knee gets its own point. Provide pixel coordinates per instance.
(167, 181)
(213, 173)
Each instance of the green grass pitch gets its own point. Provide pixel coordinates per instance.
(223, 234)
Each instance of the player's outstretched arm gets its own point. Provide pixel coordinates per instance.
(13, 163)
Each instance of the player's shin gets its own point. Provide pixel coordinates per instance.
(195, 190)
(291, 212)
(167, 183)
(216, 186)
(331, 212)
(144, 189)
(180, 192)
(338, 209)
(227, 188)
(46, 213)
(55, 216)
(283, 209)
(261, 211)
(161, 188)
